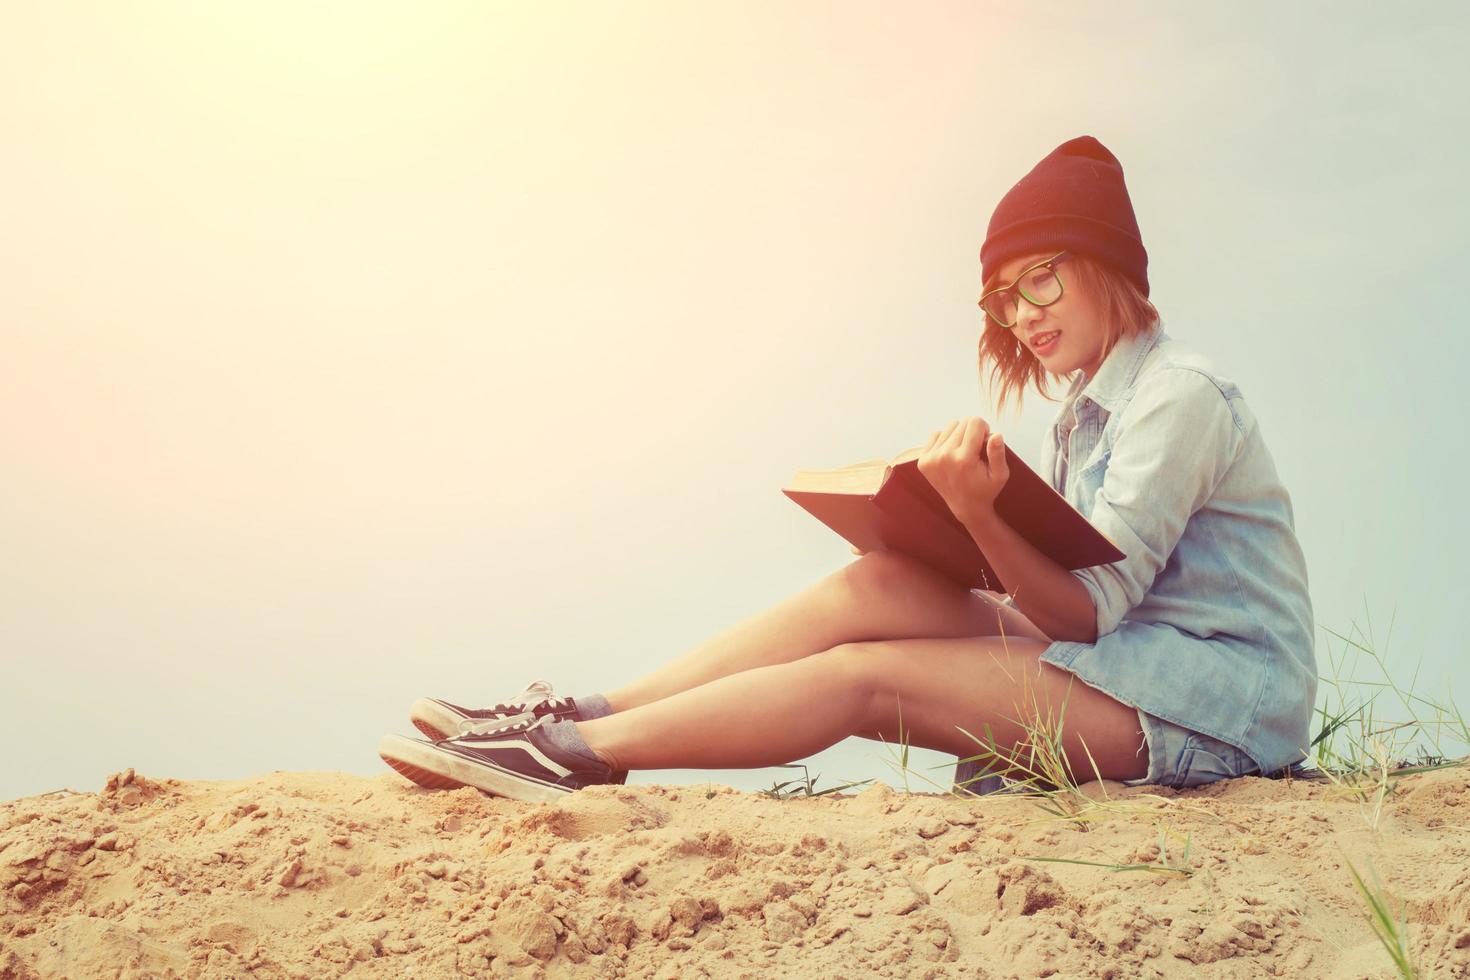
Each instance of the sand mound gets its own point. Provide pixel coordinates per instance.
(325, 875)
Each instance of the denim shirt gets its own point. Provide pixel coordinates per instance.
(1206, 622)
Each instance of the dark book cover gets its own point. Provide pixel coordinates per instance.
(889, 505)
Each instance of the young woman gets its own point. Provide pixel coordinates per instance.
(1194, 653)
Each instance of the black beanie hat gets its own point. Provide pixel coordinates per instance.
(1075, 199)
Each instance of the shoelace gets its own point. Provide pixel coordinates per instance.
(513, 713)
(534, 693)
(517, 710)
(517, 706)
(501, 726)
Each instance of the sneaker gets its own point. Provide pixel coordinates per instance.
(515, 760)
(440, 719)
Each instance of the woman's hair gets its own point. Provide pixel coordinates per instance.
(1125, 310)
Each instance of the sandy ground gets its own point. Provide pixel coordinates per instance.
(325, 875)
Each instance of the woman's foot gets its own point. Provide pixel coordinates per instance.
(440, 719)
(518, 760)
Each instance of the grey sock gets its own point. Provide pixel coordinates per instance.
(564, 735)
(593, 706)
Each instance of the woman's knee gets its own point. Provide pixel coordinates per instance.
(849, 666)
(860, 671)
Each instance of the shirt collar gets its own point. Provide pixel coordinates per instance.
(1119, 369)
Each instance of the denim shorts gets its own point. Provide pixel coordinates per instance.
(1178, 757)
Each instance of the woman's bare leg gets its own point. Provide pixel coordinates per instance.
(782, 712)
(882, 595)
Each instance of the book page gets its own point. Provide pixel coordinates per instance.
(907, 455)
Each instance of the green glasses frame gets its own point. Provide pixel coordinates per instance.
(1061, 256)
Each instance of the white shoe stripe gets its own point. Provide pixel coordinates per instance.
(524, 744)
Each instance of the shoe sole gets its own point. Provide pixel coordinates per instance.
(432, 769)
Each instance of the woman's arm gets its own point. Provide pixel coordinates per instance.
(1177, 438)
(1048, 594)
(1042, 591)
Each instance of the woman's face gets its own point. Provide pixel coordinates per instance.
(1075, 319)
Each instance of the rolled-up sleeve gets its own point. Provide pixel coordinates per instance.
(1175, 441)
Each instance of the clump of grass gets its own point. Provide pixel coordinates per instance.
(903, 760)
(1361, 754)
(1392, 929)
(903, 756)
(1364, 755)
(1037, 767)
(804, 785)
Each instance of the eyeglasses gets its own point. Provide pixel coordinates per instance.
(1039, 283)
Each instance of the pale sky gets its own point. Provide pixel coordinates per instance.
(359, 352)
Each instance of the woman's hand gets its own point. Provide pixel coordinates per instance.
(953, 465)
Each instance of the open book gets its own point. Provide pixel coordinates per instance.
(887, 504)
